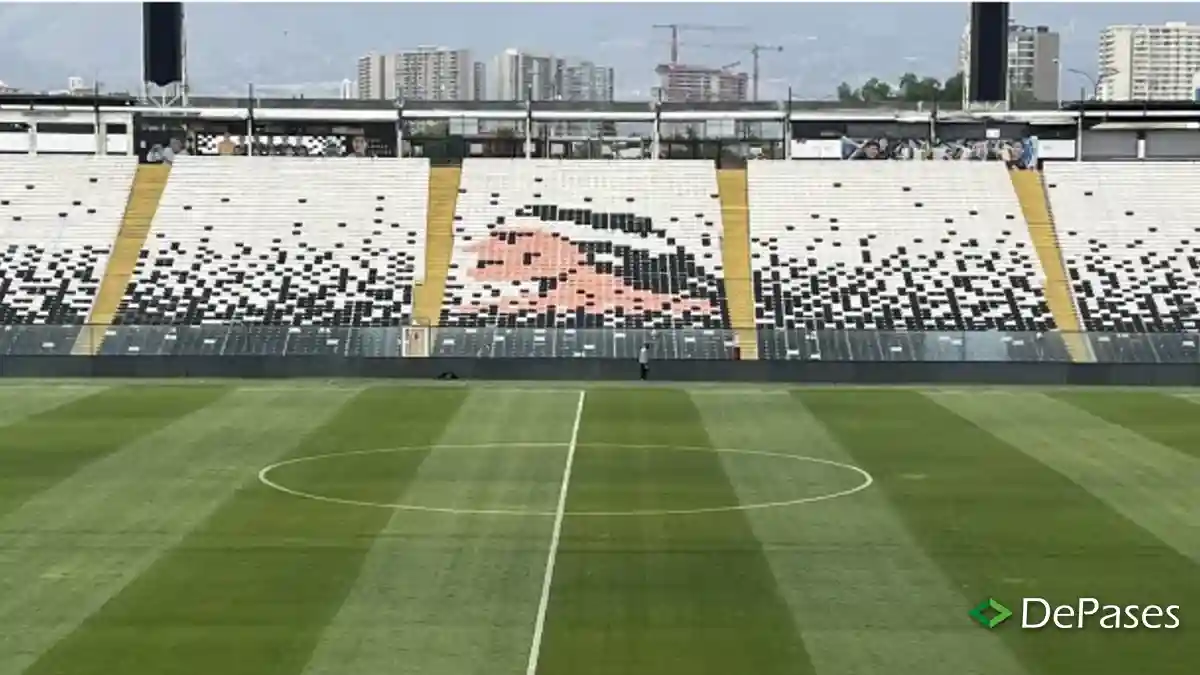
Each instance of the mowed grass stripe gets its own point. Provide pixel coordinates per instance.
(250, 590)
(847, 566)
(69, 549)
(38, 451)
(445, 594)
(660, 595)
(17, 403)
(1003, 525)
(1162, 418)
(1155, 486)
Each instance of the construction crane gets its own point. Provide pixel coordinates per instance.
(676, 27)
(754, 49)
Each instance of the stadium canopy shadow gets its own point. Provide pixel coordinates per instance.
(844, 372)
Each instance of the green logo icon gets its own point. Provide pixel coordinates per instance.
(979, 613)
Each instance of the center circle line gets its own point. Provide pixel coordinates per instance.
(265, 479)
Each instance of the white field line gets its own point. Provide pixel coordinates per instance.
(539, 626)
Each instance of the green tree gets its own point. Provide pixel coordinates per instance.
(952, 90)
(911, 88)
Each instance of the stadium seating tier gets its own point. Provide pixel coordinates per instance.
(1132, 254)
(283, 242)
(570, 246)
(889, 247)
(58, 218)
(857, 260)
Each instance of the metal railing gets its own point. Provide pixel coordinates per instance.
(620, 343)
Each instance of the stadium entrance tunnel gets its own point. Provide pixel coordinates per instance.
(524, 479)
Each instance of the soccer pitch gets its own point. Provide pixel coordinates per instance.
(362, 528)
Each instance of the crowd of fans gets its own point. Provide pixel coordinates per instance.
(1014, 153)
(352, 146)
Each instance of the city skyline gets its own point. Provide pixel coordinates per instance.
(442, 73)
(306, 45)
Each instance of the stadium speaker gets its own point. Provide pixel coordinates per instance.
(162, 42)
(989, 52)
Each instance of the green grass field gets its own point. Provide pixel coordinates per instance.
(371, 529)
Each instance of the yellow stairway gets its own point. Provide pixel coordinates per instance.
(147, 190)
(439, 243)
(1029, 188)
(735, 243)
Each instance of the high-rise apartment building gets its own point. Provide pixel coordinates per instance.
(1033, 61)
(479, 82)
(586, 81)
(1149, 63)
(518, 75)
(376, 76)
(679, 83)
(423, 74)
(435, 74)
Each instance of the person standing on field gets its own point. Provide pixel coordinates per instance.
(644, 360)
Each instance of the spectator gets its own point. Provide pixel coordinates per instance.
(175, 148)
(358, 146)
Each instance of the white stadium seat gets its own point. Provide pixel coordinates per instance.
(892, 246)
(1130, 242)
(59, 216)
(281, 241)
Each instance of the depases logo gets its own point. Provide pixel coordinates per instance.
(1039, 613)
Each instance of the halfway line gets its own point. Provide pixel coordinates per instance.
(539, 626)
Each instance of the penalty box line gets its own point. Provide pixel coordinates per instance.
(539, 625)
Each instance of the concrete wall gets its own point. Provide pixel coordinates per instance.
(798, 372)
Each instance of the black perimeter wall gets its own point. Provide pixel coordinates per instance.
(798, 372)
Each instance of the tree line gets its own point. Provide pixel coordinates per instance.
(911, 88)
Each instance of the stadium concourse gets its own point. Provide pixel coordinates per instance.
(829, 260)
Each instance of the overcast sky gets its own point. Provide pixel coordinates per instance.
(42, 44)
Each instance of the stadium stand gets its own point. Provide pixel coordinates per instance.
(273, 255)
(58, 218)
(920, 256)
(1132, 254)
(546, 252)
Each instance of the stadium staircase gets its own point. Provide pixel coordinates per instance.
(735, 244)
(1036, 208)
(439, 244)
(148, 185)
